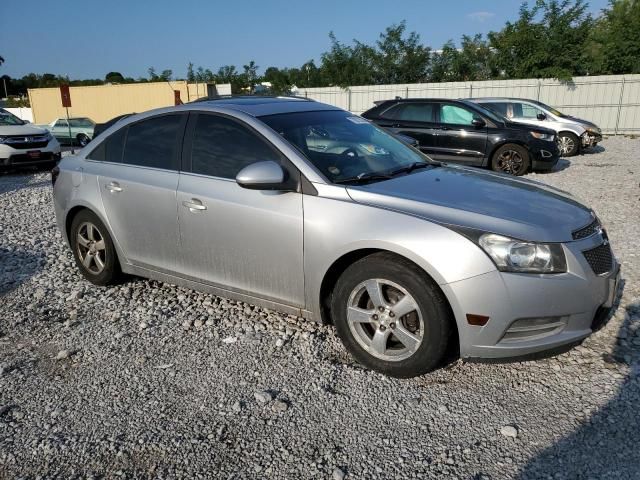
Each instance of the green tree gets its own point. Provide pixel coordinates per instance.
(547, 40)
(191, 77)
(114, 77)
(400, 58)
(344, 65)
(250, 75)
(614, 43)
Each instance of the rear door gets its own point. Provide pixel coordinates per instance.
(246, 241)
(458, 139)
(416, 120)
(138, 185)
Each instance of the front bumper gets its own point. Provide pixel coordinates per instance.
(544, 155)
(529, 314)
(590, 139)
(17, 157)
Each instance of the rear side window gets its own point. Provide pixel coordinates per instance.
(110, 149)
(222, 147)
(501, 107)
(154, 142)
(455, 115)
(411, 112)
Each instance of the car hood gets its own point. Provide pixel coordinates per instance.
(21, 130)
(584, 123)
(486, 201)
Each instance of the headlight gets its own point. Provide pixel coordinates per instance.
(511, 255)
(542, 136)
(593, 131)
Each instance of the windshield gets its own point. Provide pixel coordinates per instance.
(553, 111)
(7, 118)
(344, 146)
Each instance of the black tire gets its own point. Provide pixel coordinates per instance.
(512, 159)
(48, 166)
(569, 144)
(82, 139)
(110, 272)
(436, 315)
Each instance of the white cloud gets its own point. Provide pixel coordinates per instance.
(480, 16)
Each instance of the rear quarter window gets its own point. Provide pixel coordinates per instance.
(111, 148)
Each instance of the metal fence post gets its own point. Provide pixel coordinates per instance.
(619, 106)
(349, 99)
(406, 92)
(471, 90)
(538, 94)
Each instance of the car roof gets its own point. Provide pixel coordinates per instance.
(511, 99)
(258, 105)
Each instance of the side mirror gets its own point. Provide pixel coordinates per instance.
(262, 176)
(478, 122)
(541, 116)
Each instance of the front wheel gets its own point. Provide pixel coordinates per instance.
(512, 159)
(568, 144)
(391, 316)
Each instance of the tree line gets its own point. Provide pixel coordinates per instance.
(549, 39)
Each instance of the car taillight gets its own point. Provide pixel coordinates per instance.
(55, 171)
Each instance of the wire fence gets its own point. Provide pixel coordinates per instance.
(611, 101)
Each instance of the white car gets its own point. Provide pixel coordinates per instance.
(22, 144)
(574, 134)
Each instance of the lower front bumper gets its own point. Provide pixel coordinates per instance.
(25, 160)
(529, 314)
(544, 155)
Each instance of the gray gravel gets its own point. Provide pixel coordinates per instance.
(147, 380)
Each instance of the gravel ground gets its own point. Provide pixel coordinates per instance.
(149, 380)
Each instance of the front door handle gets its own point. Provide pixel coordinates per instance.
(113, 187)
(194, 205)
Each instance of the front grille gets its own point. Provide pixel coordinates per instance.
(25, 142)
(600, 259)
(587, 231)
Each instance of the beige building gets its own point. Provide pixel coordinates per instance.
(103, 102)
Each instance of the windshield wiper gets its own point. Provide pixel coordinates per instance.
(411, 167)
(364, 177)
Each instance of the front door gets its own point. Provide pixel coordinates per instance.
(246, 241)
(459, 140)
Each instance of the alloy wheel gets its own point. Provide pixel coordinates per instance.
(91, 248)
(510, 161)
(385, 319)
(565, 144)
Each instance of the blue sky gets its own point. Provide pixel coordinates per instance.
(88, 38)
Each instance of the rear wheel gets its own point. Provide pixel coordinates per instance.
(391, 316)
(568, 144)
(93, 249)
(512, 159)
(82, 139)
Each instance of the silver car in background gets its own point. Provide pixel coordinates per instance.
(308, 209)
(574, 134)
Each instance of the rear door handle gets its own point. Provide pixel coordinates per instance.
(194, 205)
(113, 187)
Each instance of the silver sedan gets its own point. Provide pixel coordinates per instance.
(305, 208)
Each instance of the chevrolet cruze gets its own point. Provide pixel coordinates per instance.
(310, 210)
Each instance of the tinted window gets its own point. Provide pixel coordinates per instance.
(153, 142)
(222, 147)
(411, 112)
(523, 110)
(455, 115)
(110, 150)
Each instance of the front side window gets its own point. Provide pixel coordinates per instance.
(344, 146)
(81, 122)
(455, 115)
(61, 123)
(154, 142)
(222, 147)
(526, 111)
